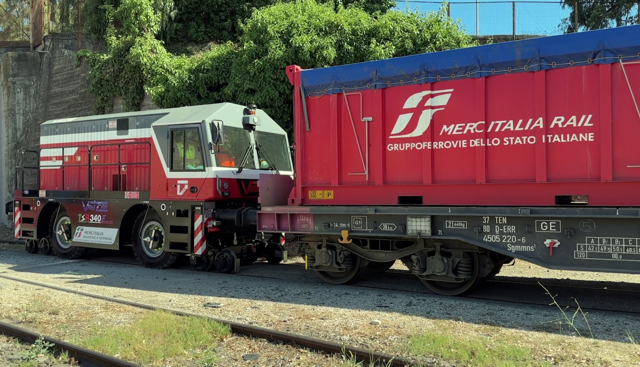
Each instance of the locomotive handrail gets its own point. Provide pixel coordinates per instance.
(21, 168)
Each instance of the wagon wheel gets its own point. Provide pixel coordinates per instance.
(352, 261)
(457, 288)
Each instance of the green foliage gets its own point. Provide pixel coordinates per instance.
(188, 21)
(162, 336)
(315, 35)
(304, 33)
(479, 351)
(96, 21)
(40, 346)
(598, 14)
(120, 72)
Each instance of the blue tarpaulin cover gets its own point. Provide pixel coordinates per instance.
(575, 49)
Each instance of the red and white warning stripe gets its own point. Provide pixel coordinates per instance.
(17, 220)
(199, 239)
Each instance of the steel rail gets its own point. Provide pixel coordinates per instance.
(19, 242)
(360, 354)
(83, 355)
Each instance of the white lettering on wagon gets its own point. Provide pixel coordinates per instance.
(418, 111)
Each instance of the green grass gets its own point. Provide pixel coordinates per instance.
(478, 351)
(159, 336)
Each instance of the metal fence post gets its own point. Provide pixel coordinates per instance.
(477, 17)
(514, 19)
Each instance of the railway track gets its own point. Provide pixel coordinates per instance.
(500, 291)
(360, 355)
(577, 291)
(85, 356)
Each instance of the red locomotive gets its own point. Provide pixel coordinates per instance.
(159, 181)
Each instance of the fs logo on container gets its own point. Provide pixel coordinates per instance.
(423, 105)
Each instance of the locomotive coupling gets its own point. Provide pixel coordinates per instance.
(242, 217)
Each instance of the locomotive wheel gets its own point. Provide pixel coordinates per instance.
(379, 267)
(150, 242)
(44, 246)
(342, 277)
(61, 234)
(274, 253)
(31, 246)
(459, 288)
(204, 262)
(225, 261)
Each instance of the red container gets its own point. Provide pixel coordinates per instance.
(558, 135)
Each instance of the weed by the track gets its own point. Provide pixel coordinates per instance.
(631, 338)
(476, 351)
(38, 350)
(350, 360)
(570, 321)
(160, 336)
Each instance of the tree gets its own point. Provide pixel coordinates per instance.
(314, 35)
(95, 16)
(14, 20)
(598, 14)
(252, 69)
(370, 6)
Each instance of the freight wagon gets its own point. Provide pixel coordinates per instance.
(457, 162)
(157, 181)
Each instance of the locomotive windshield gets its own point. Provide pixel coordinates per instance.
(230, 153)
(274, 149)
(270, 149)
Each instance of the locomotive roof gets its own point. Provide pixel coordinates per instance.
(543, 53)
(173, 115)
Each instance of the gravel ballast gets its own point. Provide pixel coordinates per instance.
(286, 298)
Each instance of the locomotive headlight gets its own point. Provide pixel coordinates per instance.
(225, 185)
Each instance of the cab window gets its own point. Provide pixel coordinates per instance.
(186, 150)
(236, 142)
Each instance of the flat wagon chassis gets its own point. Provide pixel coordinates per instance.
(460, 244)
